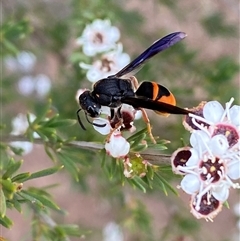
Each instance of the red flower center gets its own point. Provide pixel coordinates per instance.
(229, 131)
(208, 204)
(212, 169)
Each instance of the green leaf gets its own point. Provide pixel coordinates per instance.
(44, 172)
(138, 182)
(112, 168)
(138, 139)
(139, 148)
(6, 222)
(71, 230)
(7, 185)
(135, 137)
(49, 152)
(61, 123)
(103, 157)
(43, 200)
(16, 204)
(12, 168)
(21, 177)
(165, 184)
(3, 206)
(41, 116)
(69, 165)
(30, 199)
(148, 181)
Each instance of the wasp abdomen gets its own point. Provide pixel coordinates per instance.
(156, 92)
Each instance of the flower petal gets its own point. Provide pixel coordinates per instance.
(102, 130)
(221, 192)
(194, 158)
(199, 140)
(235, 115)
(213, 111)
(218, 145)
(190, 184)
(234, 170)
(117, 146)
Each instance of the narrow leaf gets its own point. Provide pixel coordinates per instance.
(44, 200)
(136, 135)
(30, 199)
(16, 204)
(6, 222)
(21, 177)
(164, 183)
(3, 206)
(71, 230)
(136, 182)
(44, 172)
(61, 123)
(69, 165)
(12, 168)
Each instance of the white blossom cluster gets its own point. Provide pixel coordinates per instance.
(100, 40)
(212, 163)
(28, 84)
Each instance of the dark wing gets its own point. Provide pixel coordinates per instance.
(158, 46)
(138, 102)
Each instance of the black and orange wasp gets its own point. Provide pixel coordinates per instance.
(123, 87)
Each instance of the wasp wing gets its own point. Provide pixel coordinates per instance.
(158, 46)
(141, 102)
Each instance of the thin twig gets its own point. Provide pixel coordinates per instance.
(150, 155)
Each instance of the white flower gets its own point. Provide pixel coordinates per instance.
(209, 168)
(19, 127)
(212, 118)
(109, 64)
(24, 61)
(125, 122)
(98, 37)
(237, 209)
(102, 130)
(40, 84)
(26, 85)
(190, 184)
(112, 232)
(20, 124)
(213, 161)
(117, 146)
(24, 145)
(209, 206)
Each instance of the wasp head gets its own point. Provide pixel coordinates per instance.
(89, 104)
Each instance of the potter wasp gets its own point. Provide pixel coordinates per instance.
(122, 88)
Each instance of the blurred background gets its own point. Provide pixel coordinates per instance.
(40, 60)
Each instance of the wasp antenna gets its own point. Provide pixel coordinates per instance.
(79, 120)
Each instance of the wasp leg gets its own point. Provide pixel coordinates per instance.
(147, 121)
(118, 116)
(134, 82)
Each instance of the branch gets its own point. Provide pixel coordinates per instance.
(150, 155)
